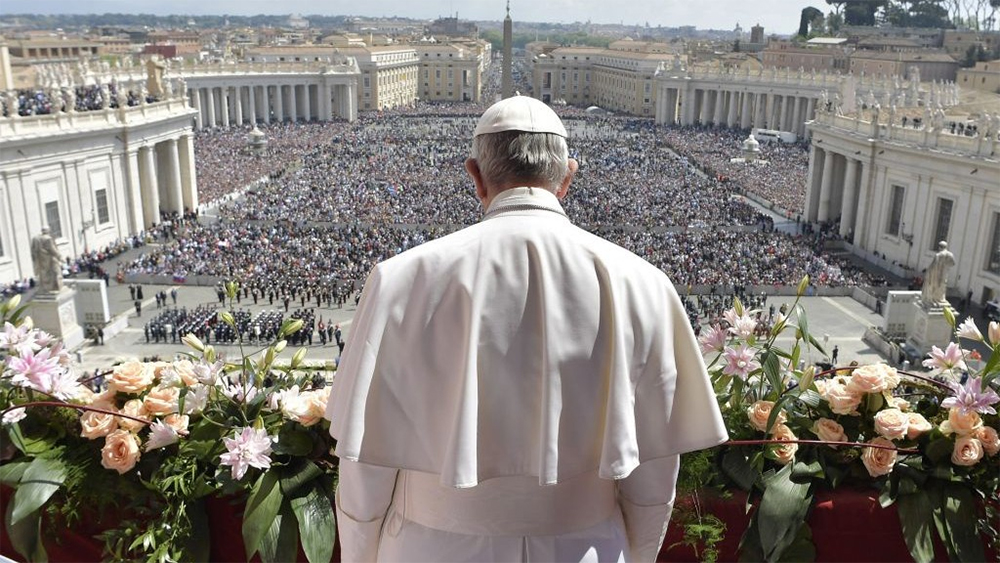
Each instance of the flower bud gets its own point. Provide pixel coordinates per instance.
(738, 306)
(949, 315)
(227, 318)
(994, 332)
(297, 358)
(192, 341)
(28, 323)
(13, 303)
(803, 285)
(807, 378)
(291, 326)
(231, 289)
(279, 346)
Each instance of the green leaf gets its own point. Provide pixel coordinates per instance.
(31, 446)
(782, 510)
(317, 527)
(281, 542)
(198, 544)
(915, 516)
(296, 477)
(959, 505)
(772, 369)
(40, 481)
(800, 317)
(262, 510)
(26, 536)
(737, 467)
(294, 442)
(802, 470)
(776, 410)
(10, 473)
(802, 548)
(810, 398)
(939, 451)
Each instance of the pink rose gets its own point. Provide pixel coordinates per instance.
(120, 452)
(918, 425)
(900, 403)
(879, 461)
(97, 424)
(842, 400)
(829, 431)
(179, 422)
(987, 435)
(892, 423)
(873, 378)
(135, 408)
(759, 412)
(968, 451)
(185, 370)
(961, 423)
(161, 401)
(784, 453)
(130, 377)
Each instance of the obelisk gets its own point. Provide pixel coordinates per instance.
(506, 78)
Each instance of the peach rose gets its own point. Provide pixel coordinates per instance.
(968, 451)
(918, 425)
(899, 403)
(133, 407)
(179, 422)
(879, 461)
(892, 423)
(961, 423)
(873, 378)
(161, 401)
(842, 400)
(104, 400)
(989, 438)
(130, 377)
(306, 408)
(97, 424)
(784, 453)
(759, 412)
(120, 452)
(185, 370)
(829, 431)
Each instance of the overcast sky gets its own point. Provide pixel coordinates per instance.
(777, 16)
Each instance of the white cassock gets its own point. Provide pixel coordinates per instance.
(519, 390)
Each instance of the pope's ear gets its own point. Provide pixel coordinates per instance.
(563, 189)
(472, 167)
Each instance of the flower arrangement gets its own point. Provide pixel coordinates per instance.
(165, 436)
(926, 442)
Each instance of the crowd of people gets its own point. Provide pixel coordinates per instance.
(337, 198)
(34, 101)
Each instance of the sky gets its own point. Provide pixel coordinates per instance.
(777, 16)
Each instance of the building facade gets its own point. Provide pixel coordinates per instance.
(984, 76)
(451, 71)
(92, 177)
(898, 191)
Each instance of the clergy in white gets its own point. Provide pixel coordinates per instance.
(519, 390)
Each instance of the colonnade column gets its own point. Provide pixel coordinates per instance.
(780, 109)
(307, 105)
(848, 205)
(196, 104)
(734, 102)
(810, 113)
(189, 179)
(279, 103)
(745, 118)
(861, 217)
(175, 200)
(224, 110)
(267, 103)
(719, 107)
(760, 100)
(293, 104)
(325, 95)
(251, 92)
(823, 213)
(133, 186)
(238, 99)
(150, 190)
(210, 102)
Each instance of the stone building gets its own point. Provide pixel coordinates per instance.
(984, 76)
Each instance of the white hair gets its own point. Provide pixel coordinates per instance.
(518, 156)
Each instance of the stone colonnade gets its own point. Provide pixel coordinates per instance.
(834, 187)
(730, 107)
(293, 100)
(161, 177)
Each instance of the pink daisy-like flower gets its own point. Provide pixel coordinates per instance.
(971, 397)
(31, 367)
(712, 339)
(740, 325)
(18, 339)
(250, 448)
(740, 361)
(949, 359)
(161, 435)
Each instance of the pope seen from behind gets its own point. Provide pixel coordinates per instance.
(519, 390)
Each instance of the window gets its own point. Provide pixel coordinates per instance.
(943, 222)
(993, 250)
(895, 211)
(52, 217)
(102, 206)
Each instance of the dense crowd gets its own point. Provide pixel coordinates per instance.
(341, 197)
(782, 181)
